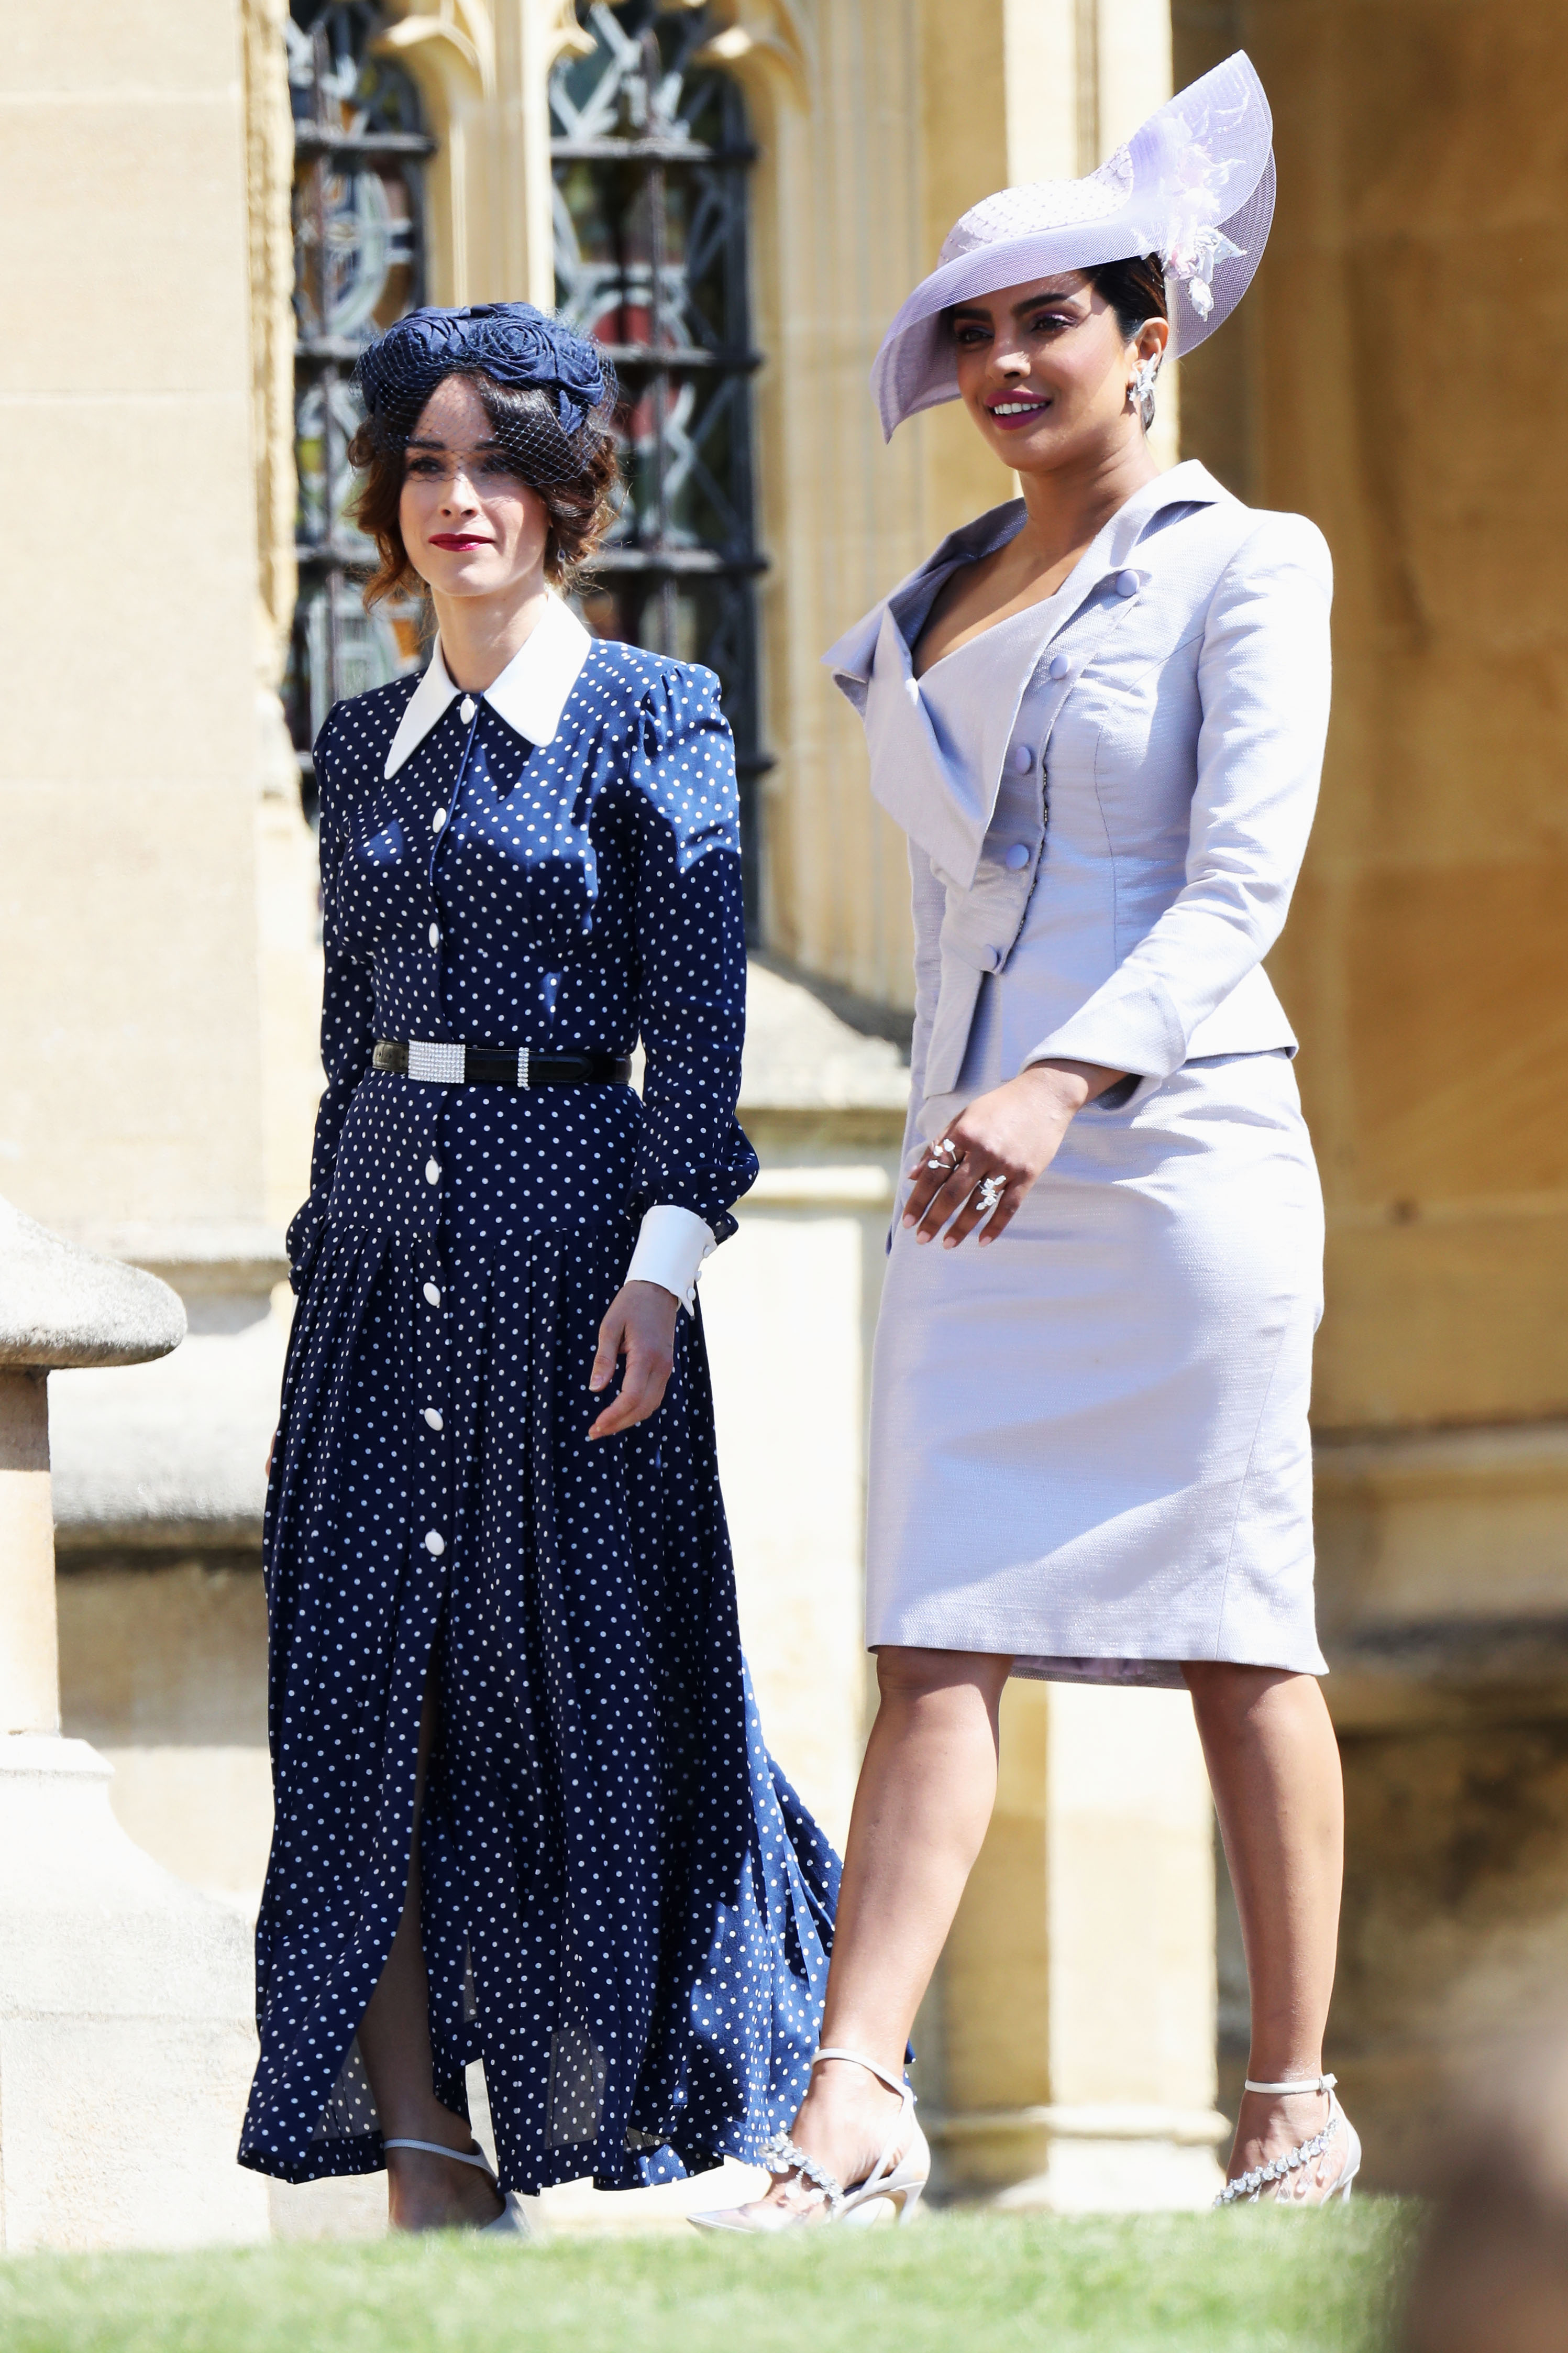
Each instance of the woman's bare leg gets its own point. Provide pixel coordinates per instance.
(924, 1800)
(1275, 1767)
(424, 2193)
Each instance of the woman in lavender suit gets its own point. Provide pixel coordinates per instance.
(1099, 714)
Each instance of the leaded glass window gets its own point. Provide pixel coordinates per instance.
(359, 264)
(651, 151)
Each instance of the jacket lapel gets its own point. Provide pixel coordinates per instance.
(923, 786)
(938, 743)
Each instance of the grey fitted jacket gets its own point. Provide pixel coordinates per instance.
(1107, 797)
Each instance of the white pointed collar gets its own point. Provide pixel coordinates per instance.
(529, 694)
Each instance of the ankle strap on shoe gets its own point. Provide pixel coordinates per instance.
(858, 2059)
(1306, 2083)
(457, 2155)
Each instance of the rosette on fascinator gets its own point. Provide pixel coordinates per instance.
(520, 349)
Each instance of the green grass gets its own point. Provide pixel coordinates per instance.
(1256, 2282)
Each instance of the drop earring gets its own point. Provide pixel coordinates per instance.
(1140, 391)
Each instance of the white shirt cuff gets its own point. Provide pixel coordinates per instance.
(670, 1250)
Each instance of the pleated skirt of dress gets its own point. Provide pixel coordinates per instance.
(625, 1910)
(1090, 1445)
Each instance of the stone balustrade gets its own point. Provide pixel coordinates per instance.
(126, 1997)
(60, 1306)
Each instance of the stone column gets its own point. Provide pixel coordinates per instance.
(790, 1306)
(30, 1653)
(125, 1998)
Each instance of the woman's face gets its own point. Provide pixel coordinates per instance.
(1043, 370)
(470, 526)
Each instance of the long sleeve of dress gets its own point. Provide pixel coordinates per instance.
(348, 1028)
(692, 954)
(1263, 681)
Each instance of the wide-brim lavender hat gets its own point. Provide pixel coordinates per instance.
(1194, 185)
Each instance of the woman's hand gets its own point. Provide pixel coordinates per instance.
(1001, 1144)
(639, 1326)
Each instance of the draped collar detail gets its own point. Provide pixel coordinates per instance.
(938, 743)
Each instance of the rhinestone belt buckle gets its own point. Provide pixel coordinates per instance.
(522, 1061)
(436, 1065)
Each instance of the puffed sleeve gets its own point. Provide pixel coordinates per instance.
(347, 1018)
(691, 956)
(1263, 684)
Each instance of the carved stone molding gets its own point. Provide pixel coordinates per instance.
(561, 34)
(775, 36)
(466, 28)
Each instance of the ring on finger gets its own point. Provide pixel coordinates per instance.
(944, 1156)
(987, 1195)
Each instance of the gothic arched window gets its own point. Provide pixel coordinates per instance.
(359, 264)
(651, 151)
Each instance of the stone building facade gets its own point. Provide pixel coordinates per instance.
(197, 184)
(1375, 379)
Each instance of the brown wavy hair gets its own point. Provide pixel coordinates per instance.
(581, 509)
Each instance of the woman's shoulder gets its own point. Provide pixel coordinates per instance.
(356, 734)
(1269, 539)
(639, 675)
(657, 697)
(672, 722)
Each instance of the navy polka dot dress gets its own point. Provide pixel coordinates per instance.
(625, 1910)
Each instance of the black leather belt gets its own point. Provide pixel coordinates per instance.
(439, 1065)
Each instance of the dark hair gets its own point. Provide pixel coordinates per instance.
(581, 507)
(1136, 290)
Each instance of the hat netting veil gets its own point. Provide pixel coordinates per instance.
(558, 390)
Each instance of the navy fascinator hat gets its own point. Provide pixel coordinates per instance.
(520, 350)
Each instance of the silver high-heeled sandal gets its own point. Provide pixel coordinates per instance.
(511, 2222)
(896, 2184)
(1248, 2189)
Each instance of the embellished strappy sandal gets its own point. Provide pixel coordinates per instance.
(894, 2185)
(511, 2222)
(1249, 2188)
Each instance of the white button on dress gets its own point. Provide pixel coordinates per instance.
(433, 1293)
(1059, 665)
(466, 709)
(1018, 856)
(1127, 584)
(435, 1543)
(438, 821)
(435, 936)
(433, 1417)
(432, 1172)
(1023, 759)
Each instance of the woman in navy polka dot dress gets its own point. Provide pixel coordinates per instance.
(524, 1813)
